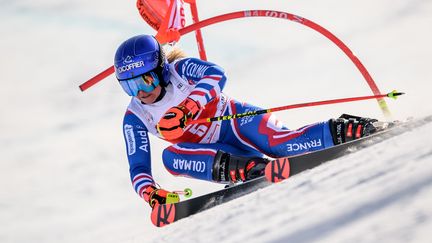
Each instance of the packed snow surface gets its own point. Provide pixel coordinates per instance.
(381, 193)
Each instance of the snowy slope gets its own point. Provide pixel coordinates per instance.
(63, 170)
(381, 193)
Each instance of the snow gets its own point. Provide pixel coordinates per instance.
(357, 198)
(63, 169)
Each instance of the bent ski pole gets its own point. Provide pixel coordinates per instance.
(394, 94)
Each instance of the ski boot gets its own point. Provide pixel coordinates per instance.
(347, 128)
(229, 168)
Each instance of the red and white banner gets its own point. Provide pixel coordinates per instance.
(154, 13)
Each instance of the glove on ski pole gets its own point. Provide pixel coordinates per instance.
(175, 119)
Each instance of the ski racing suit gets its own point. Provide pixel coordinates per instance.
(192, 154)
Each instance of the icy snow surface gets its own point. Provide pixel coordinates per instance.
(63, 169)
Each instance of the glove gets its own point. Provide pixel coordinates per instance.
(348, 127)
(173, 122)
(153, 195)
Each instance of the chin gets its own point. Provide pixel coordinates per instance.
(148, 100)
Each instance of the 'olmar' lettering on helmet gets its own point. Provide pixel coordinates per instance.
(130, 66)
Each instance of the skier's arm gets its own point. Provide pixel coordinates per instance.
(138, 152)
(209, 79)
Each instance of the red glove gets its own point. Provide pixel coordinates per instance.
(153, 195)
(171, 125)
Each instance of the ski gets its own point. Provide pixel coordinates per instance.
(283, 168)
(164, 214)
(276, 171)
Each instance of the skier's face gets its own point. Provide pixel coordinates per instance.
(149, 97)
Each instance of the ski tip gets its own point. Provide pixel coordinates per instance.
(163, 214)
(277, 170)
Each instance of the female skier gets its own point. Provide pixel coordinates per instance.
(166, 95)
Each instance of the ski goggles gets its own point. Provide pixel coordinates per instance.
(146, 82)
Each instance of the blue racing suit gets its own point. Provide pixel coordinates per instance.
(192, 154)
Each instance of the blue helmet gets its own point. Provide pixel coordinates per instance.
(139, 55)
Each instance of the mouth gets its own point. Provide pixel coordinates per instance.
(145, 96)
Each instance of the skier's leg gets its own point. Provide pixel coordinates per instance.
(266, 134)
(206, 161)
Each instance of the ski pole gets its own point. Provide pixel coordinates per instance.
(173, 197)
(394, 94)
(187, 192)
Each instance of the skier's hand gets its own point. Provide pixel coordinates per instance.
(154, 195)
(173, 122)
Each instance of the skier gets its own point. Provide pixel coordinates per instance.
(166, 95)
